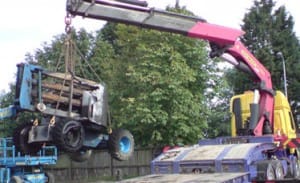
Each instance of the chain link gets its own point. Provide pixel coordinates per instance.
(68, 21)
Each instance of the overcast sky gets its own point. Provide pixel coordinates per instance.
(26, 25)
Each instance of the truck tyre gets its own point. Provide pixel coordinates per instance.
(278, 169)
(15, 179)
(197, 171)
(270, 173)
(296, 168)
(265, 171)
(121, 144)
(50, 177)
(68, 135)
(81, 156)
(20, 139)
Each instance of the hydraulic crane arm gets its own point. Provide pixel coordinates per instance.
(153, 19)
(223, 40)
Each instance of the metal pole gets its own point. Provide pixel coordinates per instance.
(279, 54)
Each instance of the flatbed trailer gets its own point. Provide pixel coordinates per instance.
(247, 158)
(198, 178)
(220, 160)
(179, 178)
(18, 168)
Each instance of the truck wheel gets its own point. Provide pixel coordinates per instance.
(296, 168)
(15, 179)
(68, 135)
(270, 173)
(50, 177)
(121, 144)
(197, 170)
(265, 171)
(278, 169)
(20, 139)
(81, 156)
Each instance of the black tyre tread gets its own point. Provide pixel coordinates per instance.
(15, 179)
(81, 156)
(58, 137)
(20, 140)
(270, 167)
(296, 169)
(51, 177)
(113, 144)
(263, 168)
(277, 166)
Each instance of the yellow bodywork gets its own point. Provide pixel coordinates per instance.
(283, 119)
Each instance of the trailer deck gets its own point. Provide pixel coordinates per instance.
(179, 178)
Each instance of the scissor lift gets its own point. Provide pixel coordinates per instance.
(18, 168)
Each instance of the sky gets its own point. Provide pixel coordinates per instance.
(26, 25)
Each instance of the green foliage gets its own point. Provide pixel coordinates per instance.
(158, 86)
(162, 86)
(52, 56)
(160, 96)
(217, 102)
(8, 125)
(268, 32)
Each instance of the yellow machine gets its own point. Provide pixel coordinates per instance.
(284, 124)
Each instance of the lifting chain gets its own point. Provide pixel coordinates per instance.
(69, 48)
(69, 56)
(68, 21)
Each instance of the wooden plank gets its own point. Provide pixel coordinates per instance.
(68, 77)
(50, 97)
(60, 87)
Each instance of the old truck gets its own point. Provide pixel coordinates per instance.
(68, 111)
(264, 144)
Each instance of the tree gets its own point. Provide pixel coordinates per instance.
(162, 93)
(162, 105)
(218, 98)
(160, 84)
(6, 99)
(269, 31)
(52, 55)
